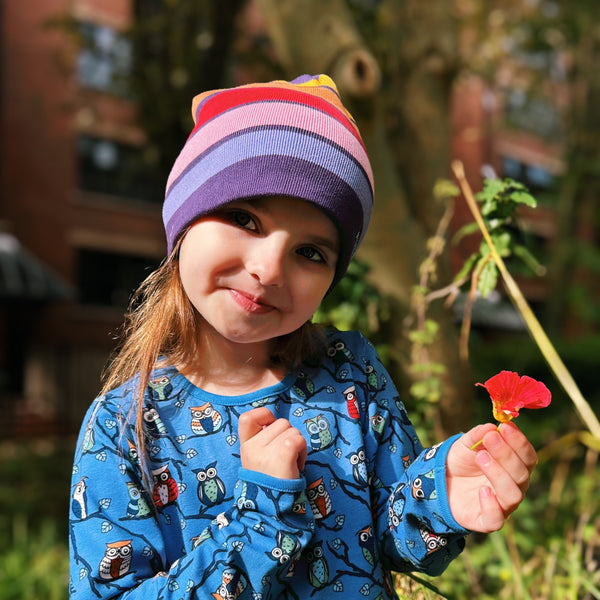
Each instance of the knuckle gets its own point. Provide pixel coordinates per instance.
(513, 500)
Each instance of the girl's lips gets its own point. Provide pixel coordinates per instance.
(251, 303)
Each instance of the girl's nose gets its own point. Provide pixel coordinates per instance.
(266, 260)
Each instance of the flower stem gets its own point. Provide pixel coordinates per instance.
(481, 441)
(552, 357)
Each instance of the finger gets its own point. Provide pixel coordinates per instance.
(271, 432)
(302, 454)
(293, 444)
(253, 422)
(475, 435)
(519, 443)
(492, 515)
(504, 454)
(507, 491)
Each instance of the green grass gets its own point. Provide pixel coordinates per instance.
(34, 497)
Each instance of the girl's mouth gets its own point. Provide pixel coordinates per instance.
(251, 303)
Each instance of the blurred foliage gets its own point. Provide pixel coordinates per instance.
(36, 563)
(500, 199)
(356, 304)
(33, 512)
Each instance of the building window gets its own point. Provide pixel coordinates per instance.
(534, 177)
(533, 114)
(108, 167)
(104, 59)
(109, 279)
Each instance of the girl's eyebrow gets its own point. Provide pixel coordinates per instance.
(318, 240)
(325, 242)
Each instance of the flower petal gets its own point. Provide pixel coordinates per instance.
(509, 393)
(531, 393)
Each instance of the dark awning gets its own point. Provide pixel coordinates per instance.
(24, 277)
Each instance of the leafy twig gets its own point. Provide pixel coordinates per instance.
(535, 329)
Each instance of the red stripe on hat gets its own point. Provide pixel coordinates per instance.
(226, 99)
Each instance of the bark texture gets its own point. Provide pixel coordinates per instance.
(403, 118)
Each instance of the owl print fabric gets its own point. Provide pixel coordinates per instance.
(370, 499)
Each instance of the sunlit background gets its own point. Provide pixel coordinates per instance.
(94, 106)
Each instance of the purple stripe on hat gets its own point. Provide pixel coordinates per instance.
(269, 141)
(276, 176)
(272, 113)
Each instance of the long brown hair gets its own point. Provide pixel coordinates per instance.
(161, 328)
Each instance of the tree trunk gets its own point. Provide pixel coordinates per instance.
(405, 129)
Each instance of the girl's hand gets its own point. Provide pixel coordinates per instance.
(271, 446)
(485, 485)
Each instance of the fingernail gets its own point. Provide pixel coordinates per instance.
(484, 458)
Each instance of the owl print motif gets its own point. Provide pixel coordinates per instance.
(377, 424)
(206, 419)
(358, 460)
(372, 377)
(304, 386)
(423, 487)
(88, 439)
(339, 354)
(160, 388)
(154, 424)
(351, 402)
(211, 489)
(396, 507)
(137, 506)
(165, 487)
(233, 583)
(318, 569)
(116, 560)
(79, 499)
(433, 541)
(320, 432)
(319, 499)
(299, 504)
(286, 551)
(366, 541)
(247, 497)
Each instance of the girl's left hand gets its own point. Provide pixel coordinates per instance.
(486, 484)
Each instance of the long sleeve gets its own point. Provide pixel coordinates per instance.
(413, 518)
(122, 545)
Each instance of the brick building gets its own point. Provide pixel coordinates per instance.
(79, 218)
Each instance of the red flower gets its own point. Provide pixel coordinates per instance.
(510, 393)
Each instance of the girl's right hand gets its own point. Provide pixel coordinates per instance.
(271, 446)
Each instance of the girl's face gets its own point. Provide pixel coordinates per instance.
(258, 269)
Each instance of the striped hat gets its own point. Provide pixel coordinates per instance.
(280, 138)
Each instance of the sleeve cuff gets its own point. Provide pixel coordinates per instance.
(273, 483)
(442, 488)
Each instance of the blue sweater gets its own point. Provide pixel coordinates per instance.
(370, 499)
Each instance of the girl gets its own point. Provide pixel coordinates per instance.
(236, 450)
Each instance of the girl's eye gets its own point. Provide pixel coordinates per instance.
(312, 254)
(243, 219)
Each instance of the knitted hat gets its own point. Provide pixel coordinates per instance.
(280, 138)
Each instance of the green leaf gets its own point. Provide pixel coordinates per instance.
(465, 230)
(491, 188)
(501, 242)
(523, 198)
(431, 327)
(530, 260)
(445, 188)
(466, 268)
(487, 278)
